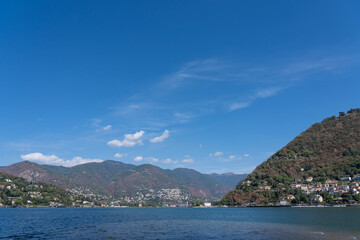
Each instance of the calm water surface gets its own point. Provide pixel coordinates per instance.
(181, 223)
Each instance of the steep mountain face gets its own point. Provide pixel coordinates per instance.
(328, 150)
(112, 180)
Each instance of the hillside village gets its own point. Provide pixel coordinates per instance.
(305, 191)
(168, 196)
(17, 192)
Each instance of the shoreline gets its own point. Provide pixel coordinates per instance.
(240, 206)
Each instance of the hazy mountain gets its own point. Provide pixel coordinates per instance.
(230, 179)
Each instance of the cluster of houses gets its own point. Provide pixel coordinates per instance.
(346, 185)
(33, 192)
(333, 187)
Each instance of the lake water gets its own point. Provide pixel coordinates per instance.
(180, 223)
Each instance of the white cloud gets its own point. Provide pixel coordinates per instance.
(216, 154)
(138, 159)
(232, 156)
(130, 140)
(55, 160)
(151, 159)
(188, 160)
(120, 155)
(161, 138)
(246, 155)
(169, 161)
(108, 127)
(148, 159)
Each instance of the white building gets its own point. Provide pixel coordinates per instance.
(283, 202)
(316, 198)
(345, 179)
(309, 179)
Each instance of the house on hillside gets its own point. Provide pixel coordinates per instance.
(290, 197)
(343, 188)
(309, 179)
(316, 198)
(345, 179)
(283, 202)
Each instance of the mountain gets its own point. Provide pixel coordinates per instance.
(313, 163)
(19, 192)
(230, 179)
(117, 181)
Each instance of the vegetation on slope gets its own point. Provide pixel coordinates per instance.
(111, 181)
(18, 192)
(327, 150)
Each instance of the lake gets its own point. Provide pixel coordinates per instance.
(180, 223)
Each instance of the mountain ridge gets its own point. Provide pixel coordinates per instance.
(114, 180)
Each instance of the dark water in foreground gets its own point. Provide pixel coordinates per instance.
(181, 223)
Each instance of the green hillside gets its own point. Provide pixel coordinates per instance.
(324, 153)
(18, 192)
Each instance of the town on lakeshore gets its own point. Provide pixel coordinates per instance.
(17, 192)
(307, 192)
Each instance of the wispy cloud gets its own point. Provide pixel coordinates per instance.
(217, 85)
(262, 93)
(207, 69)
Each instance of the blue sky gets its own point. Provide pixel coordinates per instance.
(217, 86)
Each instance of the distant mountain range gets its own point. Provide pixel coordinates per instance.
(322, 161)
(113, 180)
